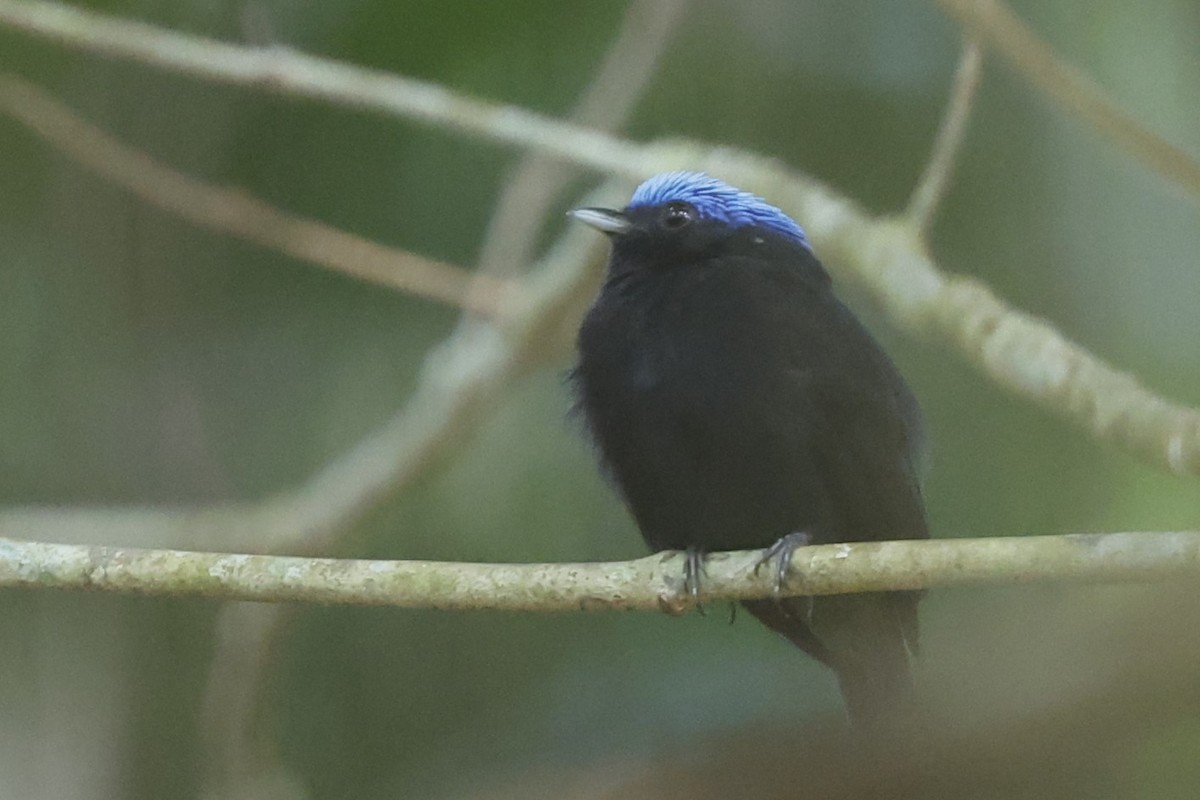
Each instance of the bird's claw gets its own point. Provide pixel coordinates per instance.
(781, 554)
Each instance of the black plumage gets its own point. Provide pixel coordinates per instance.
(734, 400)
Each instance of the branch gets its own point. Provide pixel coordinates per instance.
(238, 214)
(278, 70)
(886, 256)
(1071, 89)
(936, 178)
(650, 583)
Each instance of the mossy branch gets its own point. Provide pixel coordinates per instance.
(650, 583)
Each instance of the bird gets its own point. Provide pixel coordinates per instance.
(736, 403)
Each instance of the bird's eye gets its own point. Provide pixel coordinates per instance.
(677, 215)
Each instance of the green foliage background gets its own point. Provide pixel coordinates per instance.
(144, 361)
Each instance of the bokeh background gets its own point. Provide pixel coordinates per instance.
(144, 361)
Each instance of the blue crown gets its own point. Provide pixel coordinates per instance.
(716, 200)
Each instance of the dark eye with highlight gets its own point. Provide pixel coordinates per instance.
(677, 215)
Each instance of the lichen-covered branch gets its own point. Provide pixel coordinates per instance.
(653, 582)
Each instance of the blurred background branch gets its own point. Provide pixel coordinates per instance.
(519, 321)
(278, 70)
(620, 81)
(935, 179)
(1020, 352)
(1071, 90)
(238, 214)
(239, 740)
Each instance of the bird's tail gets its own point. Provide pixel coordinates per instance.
(868, 640)
(872, 639)
(877, 693)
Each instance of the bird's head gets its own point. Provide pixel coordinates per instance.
(682, 213)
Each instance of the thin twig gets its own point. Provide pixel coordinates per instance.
(1071, 89)
(607, 102)
(239, 747)
(935, 180)
(238, 214)
(650, 583)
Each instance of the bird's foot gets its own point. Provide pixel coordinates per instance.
(781, 554)
(693, 569)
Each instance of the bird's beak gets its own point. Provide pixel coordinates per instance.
(605, 220)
